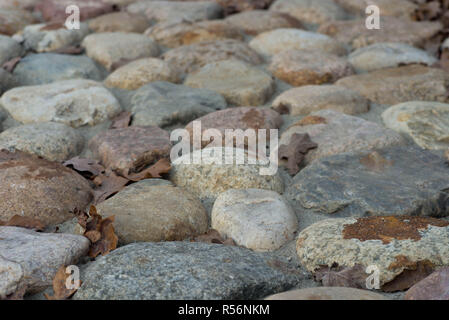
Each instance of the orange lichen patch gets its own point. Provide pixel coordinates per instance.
(387, 229)
(375, 162)
(402, 261)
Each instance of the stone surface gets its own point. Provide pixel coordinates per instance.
(13, 20)
(278, 40)
(50, 140)
(44, 68)
(433, 287)
(257, 21)
(307, 99)
(31, 259)
(208, 179)
(426, 122)
(397, 8)
(391, 181)
(9, 49)
(354, 32)
(131, 148)
(111, 49)
(137, 73)
(163, 104)
(310, 11)
(49, 37)
(21, 4)
(145, 212)
(395, 85)
(190, 58)
(388, 55)
(303, 67)
(72, 102)
(327, 293)
(335, 132)
(177, 10)
(242, 118)
(260, 220)
(233, 6)
(183, 270)
(7, 81)
(393, 244)
(181, 33)
(40, 189)
(240, 83)
(119, 22)
(52, 10)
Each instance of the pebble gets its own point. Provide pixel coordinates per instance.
(260, 220)
(119, 22)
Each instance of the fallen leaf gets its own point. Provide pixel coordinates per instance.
(11, 64)
(24, 222)
(121, 121)
(155, 171)
(101, 233)
(88, 168)
(296, 150)
(213, 236)
(59, 286)
(82, 217)
(335, 276)
(108, 184)
(433, 287)
(413, 273)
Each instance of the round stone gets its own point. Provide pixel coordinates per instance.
(303, 67)
(240, 83)
(175, 34)
(50, 140)
(55, 10)
(146, 212)
(214, 175)
(112, 49)
(119, 22)
(278, 40)
(14, 20)
(9, 48)
(327, 293)
(387, 55)
(190, 58)
(72, 102)
(137, 73)
(37, 188)
(307, 99)
(257, 21)
(260, 220)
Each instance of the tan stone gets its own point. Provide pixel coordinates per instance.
(120, 22)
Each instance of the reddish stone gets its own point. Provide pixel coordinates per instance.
(131, 149)
(54, 10)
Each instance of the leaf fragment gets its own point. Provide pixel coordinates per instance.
(296, 150)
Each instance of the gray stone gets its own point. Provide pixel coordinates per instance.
(307, 99)
(209, 179)
(177, 10)
(327, 293)
(9, 48)
(163, 104)
(44, 68)
(260, 220)
(392, 181)
(240, 83)
(183, 270)
(397, 8)
(387, 55)
(392, 244)
(310, 11)
(147, 212)
(72, 102)
(7, 81)
(426, 122)
(335, 132)
(31, 259)
(278, 40)
(46, 38)
(50, 140)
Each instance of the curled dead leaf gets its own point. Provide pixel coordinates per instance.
(61, 292)
(24, 222)
(296, 150)
(101, 234)
(335, 276)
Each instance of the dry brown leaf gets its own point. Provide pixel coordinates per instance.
(11, 64)
(101, 234)
(213, 236)
(296, 150)
(410, 276)
(108, 184)
(88, 168)
(352, 277)
(163, 166)
(59, 286)
(121, 121)
(24, 222)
